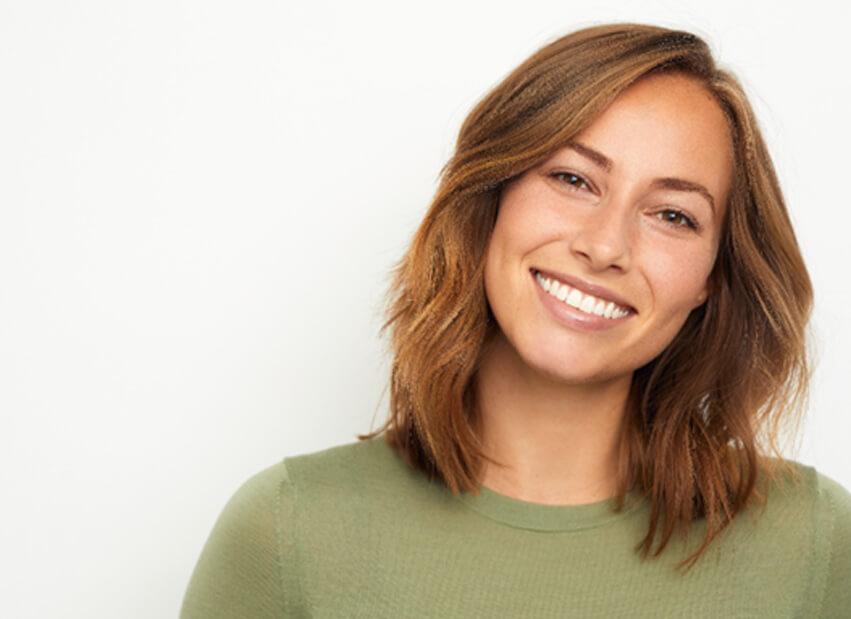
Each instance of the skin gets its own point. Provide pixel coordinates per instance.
(552, 395)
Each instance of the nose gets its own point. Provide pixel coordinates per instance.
(602, 240)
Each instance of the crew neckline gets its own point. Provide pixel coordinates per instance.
(542, 517)
(535, 516)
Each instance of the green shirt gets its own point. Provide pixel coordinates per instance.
(352, 531)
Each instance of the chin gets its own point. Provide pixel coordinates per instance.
(574, 369)
(585, 378)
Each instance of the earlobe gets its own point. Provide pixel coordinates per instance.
(701, 298)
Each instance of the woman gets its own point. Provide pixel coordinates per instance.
(598, 333)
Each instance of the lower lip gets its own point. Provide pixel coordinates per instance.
(574, 318)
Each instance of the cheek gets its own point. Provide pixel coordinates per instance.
(526, 219)
(496, 266)
(521, 227)
(678, 278)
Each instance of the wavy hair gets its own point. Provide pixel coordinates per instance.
(702, 416)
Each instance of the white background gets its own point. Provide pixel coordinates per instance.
(201, 201)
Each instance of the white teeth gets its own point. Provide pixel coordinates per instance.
(574, 298)
(583, 302)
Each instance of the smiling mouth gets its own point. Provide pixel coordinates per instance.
(582, 301)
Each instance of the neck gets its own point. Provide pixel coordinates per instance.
(558, 441)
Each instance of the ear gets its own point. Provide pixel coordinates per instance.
(709, 287)
(701, 298)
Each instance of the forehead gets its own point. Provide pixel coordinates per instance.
(666, 125)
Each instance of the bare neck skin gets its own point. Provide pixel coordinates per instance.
(559, 441)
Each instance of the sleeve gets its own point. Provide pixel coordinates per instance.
(248, 566)
(837, 595)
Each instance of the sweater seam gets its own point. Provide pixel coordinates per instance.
(827, 534)
(537, 529)
(280, 535)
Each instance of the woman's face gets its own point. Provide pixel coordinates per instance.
(600, 253)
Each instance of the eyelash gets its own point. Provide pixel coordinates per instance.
(689, 221)
(558, 176)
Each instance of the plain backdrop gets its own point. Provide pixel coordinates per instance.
(201, 203)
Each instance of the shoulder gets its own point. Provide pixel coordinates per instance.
(345, 464)
(240, 571)
(357, 466)
(806, 497)
(357, 475)
(260, 491)
(806, 487)
(835, 497)
(815, 510)
(833, 507)
(790, 482)
(834, 520)
(343, 474)
(339, 458)
(351, 473)
(252, 562)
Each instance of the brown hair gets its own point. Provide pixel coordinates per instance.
(700, 416)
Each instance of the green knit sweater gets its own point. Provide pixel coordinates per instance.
(352, 531)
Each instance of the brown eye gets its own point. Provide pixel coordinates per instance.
(677, 219)
(574, 180)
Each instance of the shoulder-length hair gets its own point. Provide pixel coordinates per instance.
(701, 416)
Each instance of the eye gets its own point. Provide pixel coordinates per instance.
(677, 219)
(574, 181)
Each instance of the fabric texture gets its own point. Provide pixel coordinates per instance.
(352, 531)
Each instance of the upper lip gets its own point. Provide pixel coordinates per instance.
(601, 292)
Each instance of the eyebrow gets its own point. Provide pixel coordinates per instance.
(671, 183)
(589, 153)
(679, 184)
